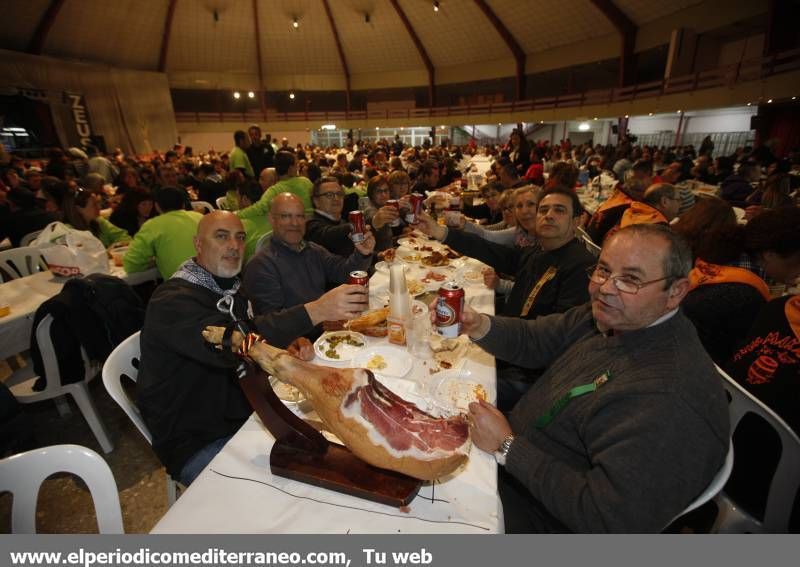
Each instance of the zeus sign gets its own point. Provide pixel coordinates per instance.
(77, 107)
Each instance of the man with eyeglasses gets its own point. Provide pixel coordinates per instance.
(549, 277)
(629, 423)
(290, 274)
(326, 227)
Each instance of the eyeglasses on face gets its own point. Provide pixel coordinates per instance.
(331, 195)
(625, 284)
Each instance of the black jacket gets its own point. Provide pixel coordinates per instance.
(188, 392)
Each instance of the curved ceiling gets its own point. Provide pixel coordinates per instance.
(213, 42)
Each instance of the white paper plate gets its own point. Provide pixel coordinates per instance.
(412, 243)
(456, 390)
(449, 273)
(397, 360)
(345, 351)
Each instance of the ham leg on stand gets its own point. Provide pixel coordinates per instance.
(374, 423)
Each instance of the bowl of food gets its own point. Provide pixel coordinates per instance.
(289, 395)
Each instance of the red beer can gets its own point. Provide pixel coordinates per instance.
(358, 277)
(356, 219)
(449, 307)
(416, 207)
(396, 204)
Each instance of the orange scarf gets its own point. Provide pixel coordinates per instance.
(705, 273)
(792, 310)
(642, 213)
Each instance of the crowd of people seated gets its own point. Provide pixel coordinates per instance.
(282, 250)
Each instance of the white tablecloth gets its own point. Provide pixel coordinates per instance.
(237, 493)
(25, 295)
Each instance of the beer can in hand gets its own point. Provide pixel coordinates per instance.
(356, 219)
(396, 204)
(449, 306)
(416, 200)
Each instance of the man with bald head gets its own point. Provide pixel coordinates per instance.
(290, 274)
(188, 394)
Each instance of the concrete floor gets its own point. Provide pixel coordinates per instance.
(65, 505)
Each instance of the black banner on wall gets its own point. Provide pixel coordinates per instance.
(75, 118)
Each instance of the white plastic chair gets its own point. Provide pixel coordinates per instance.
(23, 474)
(587, 241)
(30, 237)
(24, 392)
(785, 481)
(124, 361)
(714, 487)
(202, 207)
(22, 261)
(222, 203)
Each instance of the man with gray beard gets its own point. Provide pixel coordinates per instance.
(188, 394)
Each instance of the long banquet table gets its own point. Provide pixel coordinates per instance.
(237, 493)
(25, 295)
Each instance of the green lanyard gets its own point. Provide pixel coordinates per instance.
(561, 403)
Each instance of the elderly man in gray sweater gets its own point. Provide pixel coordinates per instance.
(630, 422)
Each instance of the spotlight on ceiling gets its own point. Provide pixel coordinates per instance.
(794, 98)
(237, 95)
(679, 111)
(749, 104)
(583, 126)
(436, 6)
(295, 23)
(649, 114)
(291, 96)
(251, 94)
(769, 101)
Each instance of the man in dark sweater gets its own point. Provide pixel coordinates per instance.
(289, 274)
(188, 394)
(629, 423)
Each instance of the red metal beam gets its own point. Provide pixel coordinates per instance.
(341, 53)
(162, 57)
(422, 53)
(627, 30)
(45, 24)
(511, 42)
(261, 94)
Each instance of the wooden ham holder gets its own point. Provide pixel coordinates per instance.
(302, 453)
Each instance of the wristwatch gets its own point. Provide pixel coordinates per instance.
(502, 451)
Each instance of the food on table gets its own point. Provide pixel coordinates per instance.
(331, 344)
(460, 394)
(452, 254)
(387, 255)
(378, 426)
(372, 323)
(435, 259)
(411, 258)
(423, 248)
(377, 362)
(432, 276)
(473, 276)
(286, 392)
(415, 287)
(448, 352)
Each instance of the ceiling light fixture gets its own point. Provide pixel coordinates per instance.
(251, 94)
(679, 111)
(649, 114)
(291, 96)
(236, 95)
(583, 126)
(769, 101)
(377, 128)
(749, 104)
(436, 6)
(794, 98)
(595, 117)
(295, 23)
(626, 116)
